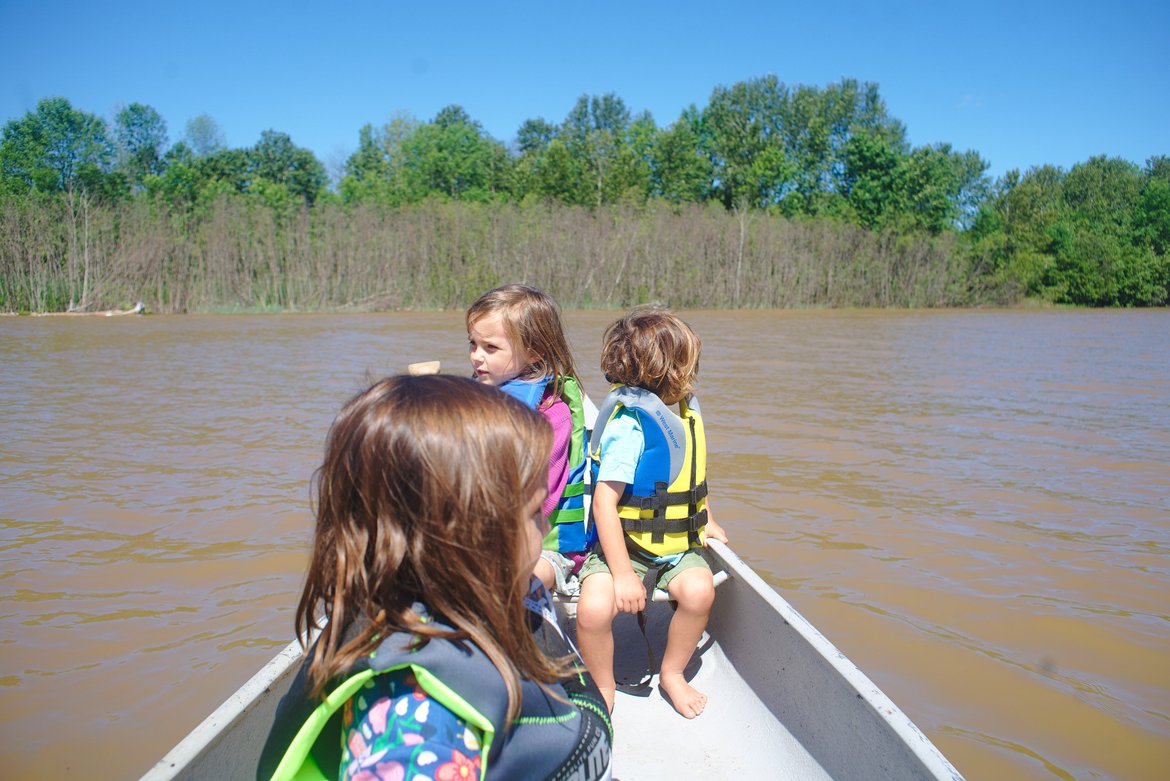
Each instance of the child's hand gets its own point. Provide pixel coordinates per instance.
(629, 593)
(715, 531)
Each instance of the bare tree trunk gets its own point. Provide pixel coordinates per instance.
(85, 253)
(743, 216)
(71, 261)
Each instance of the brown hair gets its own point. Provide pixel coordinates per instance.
(532, 321)
(419, 499)
(652, 349)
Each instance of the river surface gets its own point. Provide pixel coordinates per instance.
(974, 506)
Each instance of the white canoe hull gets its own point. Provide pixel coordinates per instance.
(784, 703)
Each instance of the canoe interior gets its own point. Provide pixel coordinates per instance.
(783, 703)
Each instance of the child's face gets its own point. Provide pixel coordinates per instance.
(493, 357)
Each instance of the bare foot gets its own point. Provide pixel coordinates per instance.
(685, 698)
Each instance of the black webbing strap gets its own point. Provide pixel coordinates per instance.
(659, 527)
(661, 498)
(643, 688)
(658, 524)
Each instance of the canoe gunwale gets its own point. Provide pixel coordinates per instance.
(853, 682)
(264, 688)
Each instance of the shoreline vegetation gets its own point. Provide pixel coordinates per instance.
(245, 257)
(769, 196)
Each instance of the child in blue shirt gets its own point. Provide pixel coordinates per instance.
(650, 505)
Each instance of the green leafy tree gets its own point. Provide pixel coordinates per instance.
(740, 136)
(405, 162)
(141, 136)
(1097, 257)
(534, 136)
(638, 157)
(229, 169)
(816, 126)
(532, 143)
(373, 172)
(188, 179)
(1152, 220)
(558, 175)
(596, 135)
(944, 188)
(1082, 237)
(57, 148)
(876, 181)
(1092, 268)
(203, 136)
(59, 151)
(680, 172)
(803, 131)
(1028, 209)
(276, 159)
(453, 157)
(180, 179)
(1103, 192)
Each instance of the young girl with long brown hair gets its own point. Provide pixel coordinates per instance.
(517, 343)
(437, 655)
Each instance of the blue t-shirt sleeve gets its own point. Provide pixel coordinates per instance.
(392, 729)
(621, 448)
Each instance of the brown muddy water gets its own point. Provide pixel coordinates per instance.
(973, 505)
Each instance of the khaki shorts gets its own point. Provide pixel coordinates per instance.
(595, 563)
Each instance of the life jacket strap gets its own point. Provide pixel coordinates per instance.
(642, 687)
(661, 498)
(659, 527)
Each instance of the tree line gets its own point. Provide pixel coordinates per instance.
(761, 159)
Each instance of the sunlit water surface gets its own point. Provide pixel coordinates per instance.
(973, 505)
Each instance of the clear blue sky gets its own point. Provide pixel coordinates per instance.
(1022, 83)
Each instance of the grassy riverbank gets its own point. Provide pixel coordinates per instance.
(238, 255)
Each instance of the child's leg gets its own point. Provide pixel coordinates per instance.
(544, 571)
(596, 609)
(694, 590)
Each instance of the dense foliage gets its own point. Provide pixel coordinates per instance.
(79, 194)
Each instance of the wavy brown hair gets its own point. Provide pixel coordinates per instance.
(653, 349)
(533, 322)
(420, 499)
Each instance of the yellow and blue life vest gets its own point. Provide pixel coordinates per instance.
(664, 511)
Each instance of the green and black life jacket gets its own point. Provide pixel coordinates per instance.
(569, 738)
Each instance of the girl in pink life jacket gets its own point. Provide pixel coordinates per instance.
(516, 342)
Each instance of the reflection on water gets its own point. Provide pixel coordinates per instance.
(974, 506)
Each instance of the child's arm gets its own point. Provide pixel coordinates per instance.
(384, 735)
(714, 530)
(629, 593)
